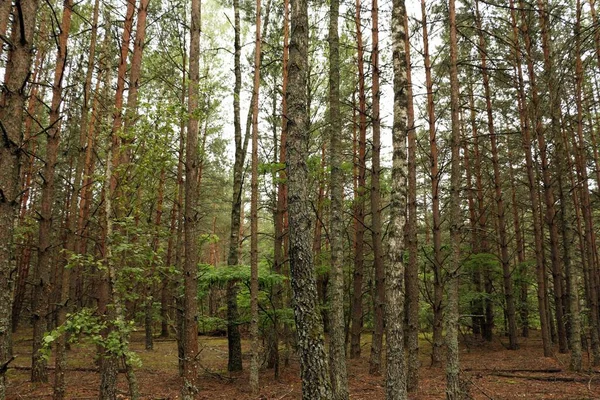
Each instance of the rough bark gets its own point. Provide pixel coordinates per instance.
(313, 362)
(280, 221)
(395, 289)
(453, 387)
(545, 143)
(254, 213)
(359, 201)
(41, 274)
(234, 361)
(63, 301)
(582, 175)
(337, 344)
(437, 261)
(12, 103)
(190, 389)
(533, 194)
(106, 297)
(378, 263)
(499, 195)
(412, 268)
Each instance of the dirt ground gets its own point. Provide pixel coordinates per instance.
(489, 370)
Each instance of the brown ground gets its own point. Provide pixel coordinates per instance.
(490, 371)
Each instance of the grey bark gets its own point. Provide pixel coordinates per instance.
(313, 362)
(395, 289)
(190, 388)
(337, 344)
(12, 103)
(453, 387)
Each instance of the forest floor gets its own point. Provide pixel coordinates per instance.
(489, 370)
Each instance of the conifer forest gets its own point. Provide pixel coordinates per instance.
(299, 199)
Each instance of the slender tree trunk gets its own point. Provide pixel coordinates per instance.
(533, 194)
(412, 268)
(438, 288)
(395, 288)
(568, 238)
(485, 318)
(337, 343)
(254, 213)
(378, 262)
(41, 275)
(550, 217)
(520, 242)
(12, 103)
(580, 163)
(453, 389)
(28, 197)
(313, 362)
(190, 388)
(109, 361)
(134, 82)
(359, 200)
(500, 208)
(280, 212)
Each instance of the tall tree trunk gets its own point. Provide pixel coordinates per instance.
(134, 82)
(280, 212)
(438, 286)
(533, 194)
(582, 174)
(568, 239)
(476, 304)
(553, 88)
(500, 208)
(520, 242)
(190, 388)
(395, 289)
(412, 268)
(12, 103)
(41, 274)
(108, 364)
(378, 263)
(254, 213)
(337, 343)
(313, 362)
(28, 198)
(149, 301)
(453, 389)
(359, 200)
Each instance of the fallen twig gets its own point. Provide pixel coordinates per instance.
(540, 378)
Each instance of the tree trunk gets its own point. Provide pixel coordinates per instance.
(395, 289)
(412, 268)
(41, 274)
(109, 360)
(190, 388)
(533, 194)
(554, 108)
(313, 363)
(453, 387)
(280, 212)
(500, 208)
(359, 200)
(379, 298)
(438, 286)
(12, 103)
(580, 154)
(337, 343)
(254, 213)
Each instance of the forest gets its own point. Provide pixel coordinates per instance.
(293, 199)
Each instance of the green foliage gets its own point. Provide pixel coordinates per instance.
(86, 325)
